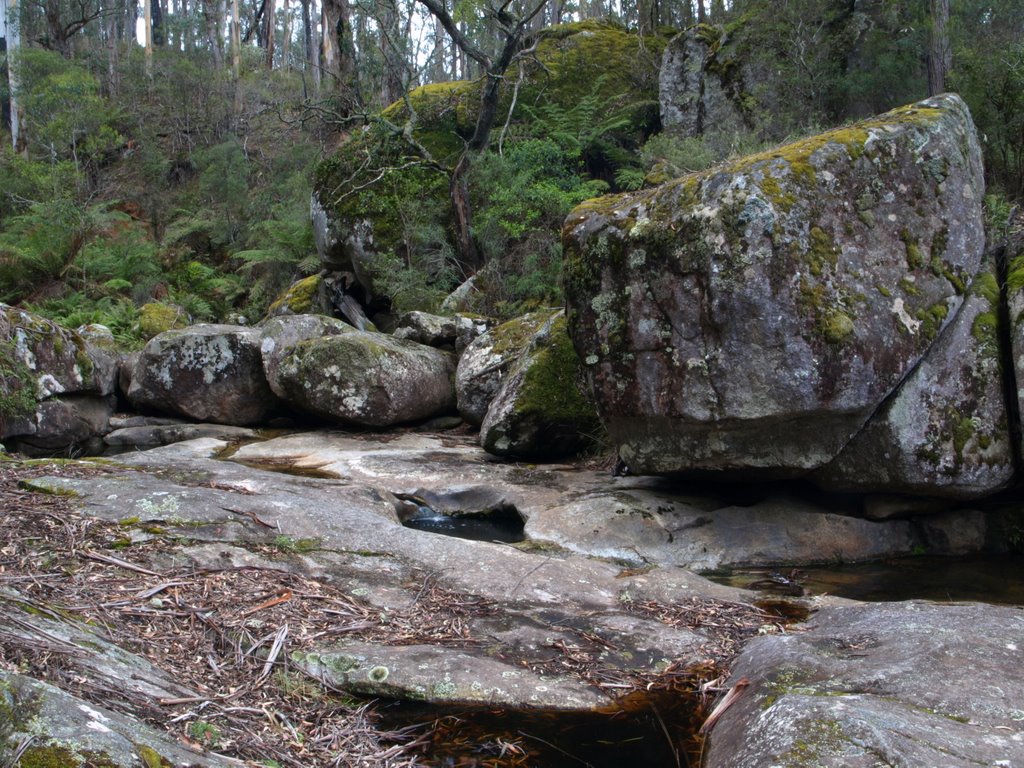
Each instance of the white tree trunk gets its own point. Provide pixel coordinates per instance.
(13, 35)
(147, 14)
(286, 34)
(236, 42)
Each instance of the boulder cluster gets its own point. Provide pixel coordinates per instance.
(824, 310)
(521, 381)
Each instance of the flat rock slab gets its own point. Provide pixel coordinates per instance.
(908, 683)
(445, 677)
(69, 731)
(634, 520)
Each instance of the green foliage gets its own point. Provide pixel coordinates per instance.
(224, 183)
(42, 243)
(669, 156)
(66, 116)
(988, 71)
(521, 200)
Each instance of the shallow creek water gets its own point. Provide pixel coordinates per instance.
(982, 578)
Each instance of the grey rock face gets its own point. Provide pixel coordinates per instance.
(945, 430)
(39, 361)
(794, 291)
(69, 421)
(692, 95)
(891, 684)
(368, 379)
(279, 335)
(425, 328)
(205, 373)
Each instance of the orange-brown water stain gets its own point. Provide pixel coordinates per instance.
(651, 728)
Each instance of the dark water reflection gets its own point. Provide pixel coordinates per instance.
(983, 578)
(489, 527)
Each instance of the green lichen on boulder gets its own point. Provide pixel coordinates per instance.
(157, 317)
(542, 409)
(300, 298)
(763, 343)
(368, 379)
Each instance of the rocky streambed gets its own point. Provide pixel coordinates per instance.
(204, 604)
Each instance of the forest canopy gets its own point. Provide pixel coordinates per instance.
(158, 157)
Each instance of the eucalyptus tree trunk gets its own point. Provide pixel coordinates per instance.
(13, 36)
(269, 22)
(286, 34)
(940, 58)
(236, 42)
(110, 27)
(211, 13)
(147, 15)
(338, 50)
(159, 28)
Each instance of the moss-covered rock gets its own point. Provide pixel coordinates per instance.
(746, 318)
(358, 209)
(839, 694)
(64, 731)
(945, 431)
(300, 298)
(368, 379)
(542, 408)
(40, 360)
(486, 362)
(157, 317)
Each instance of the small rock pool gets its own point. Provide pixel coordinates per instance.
(981, 578)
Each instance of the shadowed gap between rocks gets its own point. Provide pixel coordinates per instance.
(1004, 334)
(656, 728)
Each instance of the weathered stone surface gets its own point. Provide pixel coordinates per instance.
(887, 684)
(796, 289)
(443, 676)
(368, 379)
(206, 373)
(68, 422)
(692, 95)
(325, 237)
(40, 360)
(639, 520)
(542, 408)
(68, 731)
(279, 335)
(945, 431)
(165, 434)
(1014, 258)
(486, 361)
(425, 328)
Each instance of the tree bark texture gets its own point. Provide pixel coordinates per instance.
(940, 57)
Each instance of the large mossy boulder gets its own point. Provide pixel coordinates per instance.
(368, 379)
(279, 335)
(51, 375)
(487, 360)
(205, 373)
(542, 409)
(357, 208)
(752, 317)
